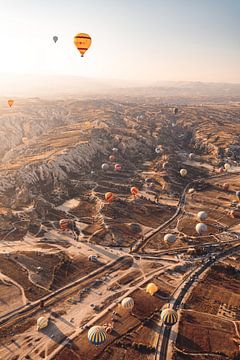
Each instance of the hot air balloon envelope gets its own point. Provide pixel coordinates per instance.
(42, 322)
(10, 102)
(169, 317)
(82, 42)
(202, 215)
(97, 335)
(117, 167)
(201, 228)
(151, 288)
(170, 238)
(112, 158)
(127, 303)
(55, 39)
(134, 190)
(109, 196)
(183, 172)
(105, 166)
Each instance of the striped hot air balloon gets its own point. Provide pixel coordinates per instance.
(166, 306)
(82, 42)
(109, 196)
(169, 317)
(128, 303)
(97, 335)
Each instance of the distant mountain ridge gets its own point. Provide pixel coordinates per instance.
(58, 86)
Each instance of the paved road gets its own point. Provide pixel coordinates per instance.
(162, 348)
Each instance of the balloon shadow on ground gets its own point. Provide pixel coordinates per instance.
(53, 332)
(57, 316)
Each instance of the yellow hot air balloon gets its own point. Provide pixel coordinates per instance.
(82, 42)
(151, 288)
(10, 102)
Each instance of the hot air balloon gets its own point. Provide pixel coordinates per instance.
(191, 156)
(183, 172)
(151, 288)
(97, 335)
(105, 166)
(175, 111)
(165, 165)
(117, 167)
(227, 166)
(82, 42)
(128, 303)
(202, 215)
(115, 150)
(169, 317)
(112, 158)
(201, 228)
(238, 195)
(109, 196)
(166, 306)
(136, 228)
(42, 322)
(226, 186)
(10, 102)
(134, 191)
(170, 238)
(55, 39)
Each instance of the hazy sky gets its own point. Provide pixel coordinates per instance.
(143, 40)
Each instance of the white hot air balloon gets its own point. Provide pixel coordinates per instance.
(227, 166)
(128, 303)
(42, 322)
(202, 215)
(170, 238)
(183, 172)
(201, 228)
(105, 167)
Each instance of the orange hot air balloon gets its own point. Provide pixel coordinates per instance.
(10, 102)
(82, 42)
(109, 196)
(134, 191)
(112, 158)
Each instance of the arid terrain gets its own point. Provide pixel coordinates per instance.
(52, 152)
